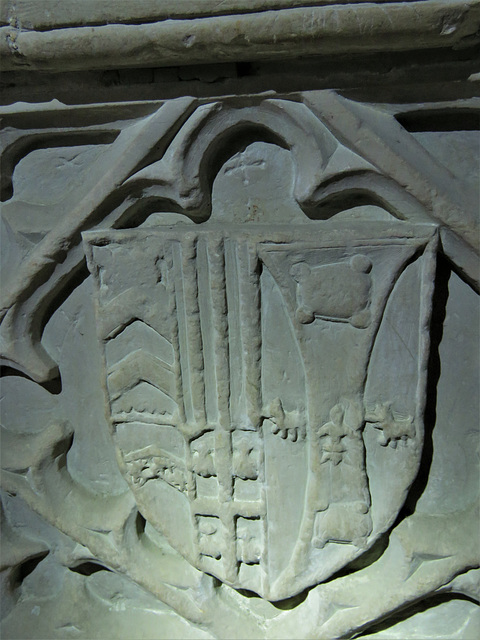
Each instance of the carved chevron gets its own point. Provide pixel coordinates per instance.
(118, 312)
(140, 367)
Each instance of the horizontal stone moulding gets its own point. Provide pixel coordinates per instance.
(113, 38)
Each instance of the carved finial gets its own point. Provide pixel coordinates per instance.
(332, 434)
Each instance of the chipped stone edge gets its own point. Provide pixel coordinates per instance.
(267, 35)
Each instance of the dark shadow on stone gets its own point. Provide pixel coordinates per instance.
(294, 601)
(245, 69)
(87, 568)
(140, 524)
(374, 553)
(61, 448)
(216, 583)
(397, 76)
(52, 386)
(439, 304)
(284, 605)
(400, 615)
(440, 120)
(246, 593)
(27, 567)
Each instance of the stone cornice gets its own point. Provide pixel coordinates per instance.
(54, 36)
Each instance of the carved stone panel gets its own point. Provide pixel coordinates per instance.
(239, 341)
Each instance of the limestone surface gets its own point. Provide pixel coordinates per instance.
(240, 344)
(54, 36)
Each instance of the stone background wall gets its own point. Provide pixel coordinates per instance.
(333, 126)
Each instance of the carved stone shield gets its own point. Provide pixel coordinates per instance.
(259, 418)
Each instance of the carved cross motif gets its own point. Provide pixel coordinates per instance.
(241, 163)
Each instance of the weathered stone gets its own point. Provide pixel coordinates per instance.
(240, 333)
(113, 35)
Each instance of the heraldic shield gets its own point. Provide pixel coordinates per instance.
(257, 418)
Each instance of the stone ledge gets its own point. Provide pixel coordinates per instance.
(35, 41)
(51, 14)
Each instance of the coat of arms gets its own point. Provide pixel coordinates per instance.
(258, 420)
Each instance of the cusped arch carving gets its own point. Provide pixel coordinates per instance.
(192, 141)
(324, 168)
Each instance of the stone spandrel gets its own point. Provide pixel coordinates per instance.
(263, 377)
